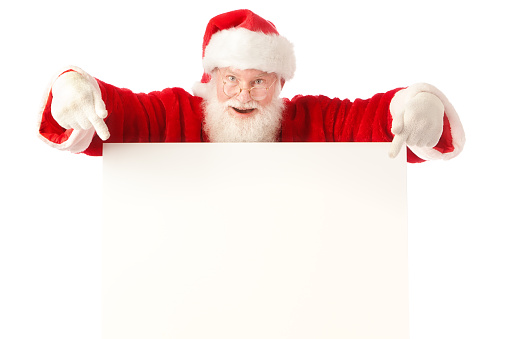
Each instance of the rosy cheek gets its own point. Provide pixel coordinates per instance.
(267, 100)
(220, 94)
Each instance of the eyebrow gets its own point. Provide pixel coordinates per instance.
(229, 70)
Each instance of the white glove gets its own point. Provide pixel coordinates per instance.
(418, 120)
(77, 105)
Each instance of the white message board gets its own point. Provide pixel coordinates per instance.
(245, 241)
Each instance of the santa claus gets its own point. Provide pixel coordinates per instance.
(246, 64)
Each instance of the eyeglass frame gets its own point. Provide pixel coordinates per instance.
(249, 90)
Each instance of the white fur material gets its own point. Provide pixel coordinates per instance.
(263, 126)
(79, 140)
(398, 104)
(244, 49)
(200, 89)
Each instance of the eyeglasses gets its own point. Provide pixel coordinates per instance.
(231, 87)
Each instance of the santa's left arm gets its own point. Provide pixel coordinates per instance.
(420, 114)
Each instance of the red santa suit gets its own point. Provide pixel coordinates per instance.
(174, 115)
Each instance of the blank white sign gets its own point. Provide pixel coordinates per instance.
(245, 241)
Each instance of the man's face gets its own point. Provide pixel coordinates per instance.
(244, 103)
(231, 116)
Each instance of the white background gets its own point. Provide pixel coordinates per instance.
(51, 201)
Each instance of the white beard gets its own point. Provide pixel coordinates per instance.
(221, 125)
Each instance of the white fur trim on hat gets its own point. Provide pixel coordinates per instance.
(241, 48)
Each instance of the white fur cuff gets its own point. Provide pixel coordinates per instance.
(244, 49)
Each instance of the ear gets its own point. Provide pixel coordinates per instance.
(282, 83)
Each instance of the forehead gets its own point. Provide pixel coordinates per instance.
(245, 73)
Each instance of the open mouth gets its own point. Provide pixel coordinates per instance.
(243, 111)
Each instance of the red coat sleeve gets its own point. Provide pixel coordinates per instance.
(321, 119)
(171, 115)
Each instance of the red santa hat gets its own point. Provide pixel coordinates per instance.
(243, 40)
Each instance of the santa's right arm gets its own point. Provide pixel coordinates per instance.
(80, 112)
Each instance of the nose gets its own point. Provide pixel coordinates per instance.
(244, 96)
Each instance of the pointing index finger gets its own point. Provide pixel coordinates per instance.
(397, 143)
(100, 127)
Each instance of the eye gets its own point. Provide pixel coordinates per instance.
(259, 82)
(231, 78)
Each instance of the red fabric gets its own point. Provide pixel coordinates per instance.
(173, 115)
(321, 119)
(242, 18)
